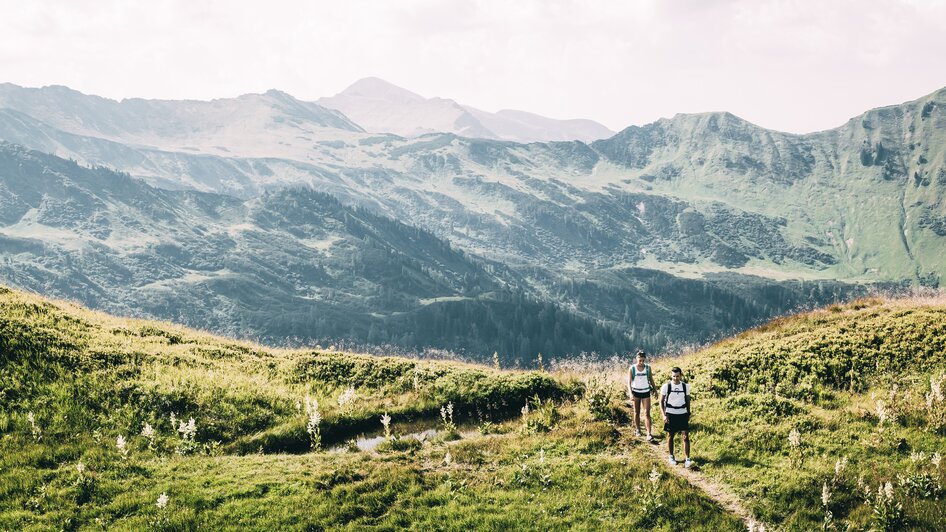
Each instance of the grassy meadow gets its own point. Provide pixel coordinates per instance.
(122, 424)
(834, 419)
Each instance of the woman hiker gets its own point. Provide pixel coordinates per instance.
(640, 386)
(675, 405)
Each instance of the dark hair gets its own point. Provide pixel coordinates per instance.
(677, 370)
(641, 354)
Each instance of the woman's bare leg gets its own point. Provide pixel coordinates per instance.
(645, 403)
(637, 413)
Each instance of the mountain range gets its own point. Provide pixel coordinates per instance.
(381, 107)
(672, 231)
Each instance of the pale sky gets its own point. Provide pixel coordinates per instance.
(789, 65)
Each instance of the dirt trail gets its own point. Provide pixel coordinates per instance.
(713, 490)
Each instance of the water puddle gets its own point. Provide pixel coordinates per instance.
(419, 430)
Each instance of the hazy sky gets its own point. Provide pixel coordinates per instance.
(789, 65)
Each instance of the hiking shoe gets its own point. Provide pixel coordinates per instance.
(687, 463)
(650, 438)
(638, 433)
(672, 460)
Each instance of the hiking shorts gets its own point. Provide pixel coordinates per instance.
(677, 423)
(640, 395)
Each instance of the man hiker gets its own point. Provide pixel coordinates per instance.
(640, 385)
(675, 405)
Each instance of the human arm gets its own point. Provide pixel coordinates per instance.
(663, 404)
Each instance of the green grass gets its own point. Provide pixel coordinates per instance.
(822, 374)
(88, 378)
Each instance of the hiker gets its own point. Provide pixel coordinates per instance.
(675, 405)
(640, 385)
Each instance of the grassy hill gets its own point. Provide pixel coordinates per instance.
(861, 384)
(857, 388)
(73, 381)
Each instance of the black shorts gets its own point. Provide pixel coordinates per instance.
(677, 423)
(640, 395)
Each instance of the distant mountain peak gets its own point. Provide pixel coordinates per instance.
(372, 87)
(382, 107)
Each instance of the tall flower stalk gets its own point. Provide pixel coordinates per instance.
(386, 421)
(315, 419)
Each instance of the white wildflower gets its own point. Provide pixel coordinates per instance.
(525, 409)
(888, 491)
(794, 438)
(122, 446)
(386, 421)
(80, 468)
(315, 419)
(163, 500)
(173, 421)
(188, 430)
(446, 414)
(654, 476)
(448, 459)
(35, 429)
(542, 455)
(825, 494)
(936, 392)
(917, 457)
(148, 432)
(839, 467)
(347, 398)
(936, 459)
(883, 414)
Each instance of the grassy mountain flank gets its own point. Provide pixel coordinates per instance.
(290, 264)
(298, 265)
(101, 416)
(833, 418)
(860, 383)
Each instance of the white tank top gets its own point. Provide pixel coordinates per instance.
(639, 383)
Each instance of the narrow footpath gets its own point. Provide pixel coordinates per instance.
(712, 489)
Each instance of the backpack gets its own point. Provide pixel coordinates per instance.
(646, 370)
(686, 392)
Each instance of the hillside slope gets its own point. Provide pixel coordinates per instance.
(861, 385)
(693, 193)
(127, 424)
(291, 264)
(834, 417)
(297, 265)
